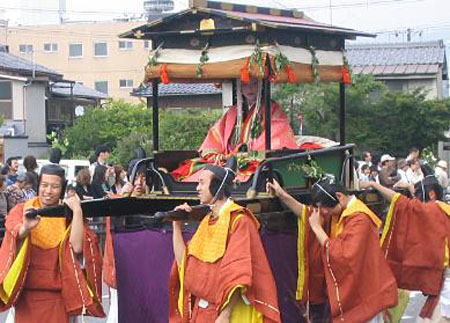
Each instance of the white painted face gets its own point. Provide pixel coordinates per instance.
(250, 90)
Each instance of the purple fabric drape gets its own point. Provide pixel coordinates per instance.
(143, 262)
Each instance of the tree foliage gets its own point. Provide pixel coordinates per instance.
(124, 126)
(377, 119)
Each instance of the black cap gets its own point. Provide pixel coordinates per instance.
(423, 188)
(229, 171)
(53, 169)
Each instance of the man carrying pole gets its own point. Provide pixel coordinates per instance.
(360, 286)
(415, 241)
(223, 271)
(50, 268)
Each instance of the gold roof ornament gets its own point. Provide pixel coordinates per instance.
(207, 24)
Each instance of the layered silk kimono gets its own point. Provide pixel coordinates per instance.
(415, 241)
(42, 277)
(219, 142)
(358, 280)
(225, 256)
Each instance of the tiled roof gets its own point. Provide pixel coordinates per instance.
(397, 59)
(81, 91)
(179, 89)
(12, 63)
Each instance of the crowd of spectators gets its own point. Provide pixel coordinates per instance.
(393, 172)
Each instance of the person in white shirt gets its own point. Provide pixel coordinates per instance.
(414, 153)
(367, 156)
(441, 173)
(414, 173)
(365, 173)
(102, 154)
(402, 168)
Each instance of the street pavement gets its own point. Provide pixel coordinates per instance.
(411, 314)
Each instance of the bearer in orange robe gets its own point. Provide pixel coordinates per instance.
(311, 285)
(416, 244)
(50, 268)
(223, 274)
(359, 283)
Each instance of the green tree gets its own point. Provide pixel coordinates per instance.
(186, 129)
(376, 119)
(124, 126)
(105, 126)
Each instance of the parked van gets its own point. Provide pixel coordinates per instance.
(71, 166)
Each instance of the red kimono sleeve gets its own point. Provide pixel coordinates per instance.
(82, 287)
(8, 252)
(359, 282)
(245, 264)
(414, 240)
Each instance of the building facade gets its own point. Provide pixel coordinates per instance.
(34, 101)
(89, 53)
(404, 66)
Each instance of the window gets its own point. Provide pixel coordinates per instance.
(396, 85)
(75, 50)
(102, 86)
(146, 44)
(50, 47)
(6, 99)
(125, 45)
(26, 49)
(125, 83)
(100, 49)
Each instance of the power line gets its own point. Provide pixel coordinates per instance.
(443, 25)
(278, 3)
(81, 12)
(364, 3)
(358, 4)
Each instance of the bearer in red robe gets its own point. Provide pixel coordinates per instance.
(50, 268)
(223, 274)
(360, 285)
(415, 241)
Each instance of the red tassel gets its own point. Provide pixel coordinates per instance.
(245, 74)
(164, 75)
(292, 77)
(346, 79)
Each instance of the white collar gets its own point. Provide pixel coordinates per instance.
(224, 206)
(352, 200)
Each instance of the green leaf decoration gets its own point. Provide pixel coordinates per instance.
(315, 65)
(203, 60)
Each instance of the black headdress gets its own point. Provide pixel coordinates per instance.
(222, 181)
(324, 192)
